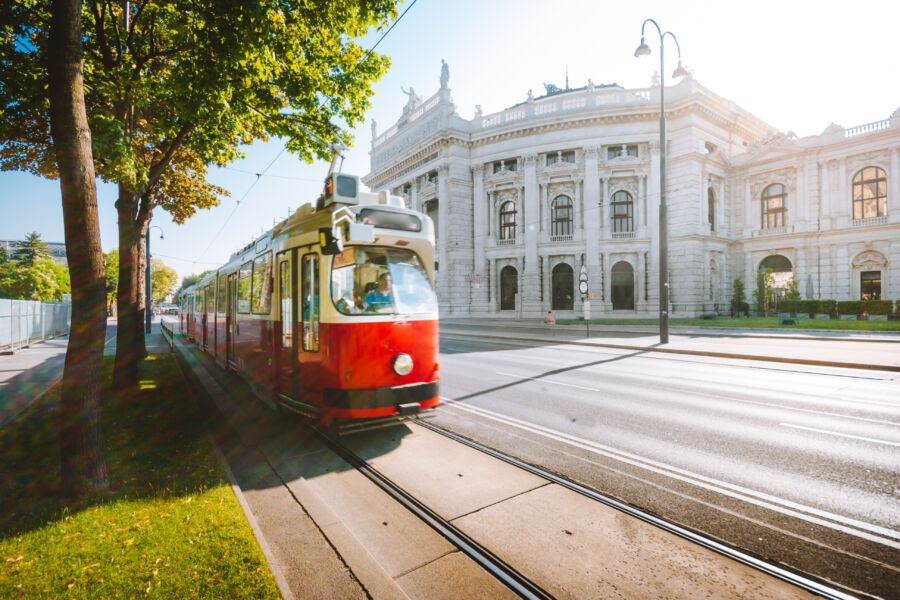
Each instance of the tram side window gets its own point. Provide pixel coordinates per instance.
(222, 294)
(262, 283)
(211, 302)
(243, 288)
(309, 298)
(284, 278)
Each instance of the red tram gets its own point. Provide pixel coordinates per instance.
(332, 314)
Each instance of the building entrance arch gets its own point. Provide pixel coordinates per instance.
(509, 286)
(622, 281)
(562, 282)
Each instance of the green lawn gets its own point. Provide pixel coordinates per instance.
(171, 527)
(752, 323)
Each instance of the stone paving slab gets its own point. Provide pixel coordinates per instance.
(574, 547)
(450, 478)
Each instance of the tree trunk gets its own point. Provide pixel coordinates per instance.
(142, 308)
(83, 464)
(129, 336)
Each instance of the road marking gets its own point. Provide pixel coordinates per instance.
(542, 380)
(846, 435)
(806, 410)
(848, 525)
(817, 412)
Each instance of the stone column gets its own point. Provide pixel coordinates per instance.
(604, 208)
(578, 225)
(530, 305)
(653, 224)
(826, 195)
(844, 204)
(748, 207)
(414, 194)
(893, 208)
(493, 285)
(546, 303)
(479, 233)
(520, 296)
(443, 236)
(492, 226)
(592, 215)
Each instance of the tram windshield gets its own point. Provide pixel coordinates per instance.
(379, 280)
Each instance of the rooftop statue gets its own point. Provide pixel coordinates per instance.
(551, 88)
(414, 99)
(445, 73)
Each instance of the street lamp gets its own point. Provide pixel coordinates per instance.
(644, 50)
(148, 312)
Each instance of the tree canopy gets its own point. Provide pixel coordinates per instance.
(29, 273)
(163, 279)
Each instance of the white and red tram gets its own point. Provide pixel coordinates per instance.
(332, 314)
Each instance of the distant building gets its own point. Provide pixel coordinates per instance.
(526, 197)
(57, 251)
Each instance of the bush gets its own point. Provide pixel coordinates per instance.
(879, 307)
(829, 307)
(789, 306)
(809, 307)
(850, 307)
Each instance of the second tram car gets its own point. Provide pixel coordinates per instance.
(332, 314)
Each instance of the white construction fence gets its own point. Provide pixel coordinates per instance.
(23, 322)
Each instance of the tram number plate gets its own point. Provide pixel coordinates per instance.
(411, 408)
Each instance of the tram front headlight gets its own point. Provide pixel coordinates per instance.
(402, 364)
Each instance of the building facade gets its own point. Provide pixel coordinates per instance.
(527, 200)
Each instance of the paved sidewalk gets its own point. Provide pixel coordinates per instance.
(31, 371)
(851, 349)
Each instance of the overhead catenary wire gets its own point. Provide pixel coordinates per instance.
(263, 173)
(238, 203)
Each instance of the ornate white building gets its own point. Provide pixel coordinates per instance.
(524, 198)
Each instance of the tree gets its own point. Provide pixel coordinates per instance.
(793, 292)
(111, 260)
(176, 86)
(163, 278)
(738, 304)
(41, 279)
(83, 466)
(764, 282)
(29, 250)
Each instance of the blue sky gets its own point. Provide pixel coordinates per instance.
(798, 65)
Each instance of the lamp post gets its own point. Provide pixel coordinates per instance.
(644, 50)
(148, 312)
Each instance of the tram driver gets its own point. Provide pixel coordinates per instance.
(381, 296)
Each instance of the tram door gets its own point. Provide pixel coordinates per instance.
(230, 315)
(288, 381)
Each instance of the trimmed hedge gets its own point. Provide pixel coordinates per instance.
(850, 307)
(878, 307)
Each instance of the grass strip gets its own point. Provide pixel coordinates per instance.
(752, 323)
(170, 526)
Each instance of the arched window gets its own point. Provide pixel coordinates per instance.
(711, 208)
(869, 193)
(509, 286)
(561, 216)
(563, 286)
(622, 212)
(508, 221)
(774, 206)
(622, 286)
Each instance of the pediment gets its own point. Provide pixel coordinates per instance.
(502, 176)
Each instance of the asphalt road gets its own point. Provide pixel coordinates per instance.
(797, 464)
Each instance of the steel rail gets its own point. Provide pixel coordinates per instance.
(732, 553)
(493, 564)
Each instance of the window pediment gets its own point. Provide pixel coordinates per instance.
(869, 259)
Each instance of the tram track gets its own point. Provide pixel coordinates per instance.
(489, 561)
(756, 563)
